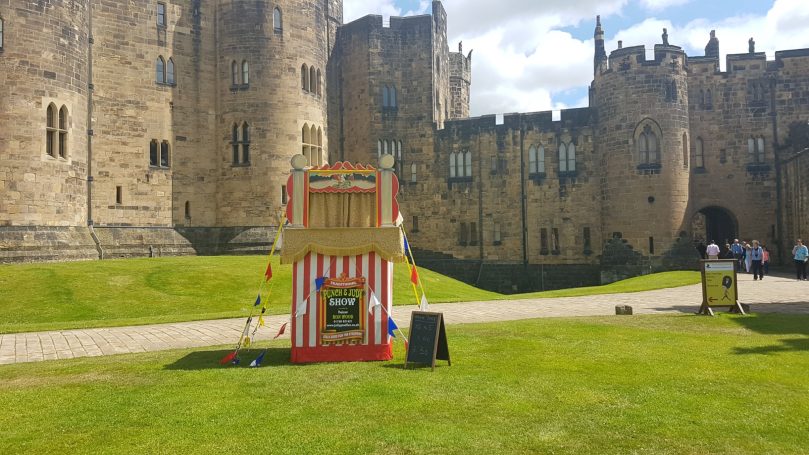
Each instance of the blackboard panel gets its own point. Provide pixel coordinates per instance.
(423, 337)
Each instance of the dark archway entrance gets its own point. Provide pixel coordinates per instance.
(714, 223)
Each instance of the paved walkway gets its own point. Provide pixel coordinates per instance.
(774, 294)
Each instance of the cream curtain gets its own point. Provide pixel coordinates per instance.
(340, 210)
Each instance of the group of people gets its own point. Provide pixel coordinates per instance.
(750, 257)
(753, 257)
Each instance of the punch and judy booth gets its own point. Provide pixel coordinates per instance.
(342, 241)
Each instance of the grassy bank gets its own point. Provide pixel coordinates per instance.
(53, 296)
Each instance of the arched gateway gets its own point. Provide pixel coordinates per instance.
(714, 223)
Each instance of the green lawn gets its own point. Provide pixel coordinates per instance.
(640, 384)
(50, 296)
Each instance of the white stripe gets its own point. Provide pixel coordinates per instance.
(299, 294)
(366, 275)
(381, 293)
(313, 316)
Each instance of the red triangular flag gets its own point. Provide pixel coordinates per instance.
(414, 275)
(228, 358)
(268, 273)
(281, 331)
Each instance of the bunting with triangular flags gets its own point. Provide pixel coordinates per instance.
(228, 358)
(258, 300)
(319, 282)
(280, 331)
(373, 302)
(258, 360)
(391, 326)
(414, 275)
(423, 305)
(268, 273)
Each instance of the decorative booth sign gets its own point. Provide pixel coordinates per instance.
(428, 339)
(342, 310)
(719, 286)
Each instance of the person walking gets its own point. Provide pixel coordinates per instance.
(800, 254)
(737, 251)
(712, 250)
(765, 262)
(756, 254)
(748, 262)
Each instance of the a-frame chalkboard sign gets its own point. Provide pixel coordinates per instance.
(428, 339)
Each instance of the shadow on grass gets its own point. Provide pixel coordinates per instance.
(206, 360)
(787, 345)
(776, 324)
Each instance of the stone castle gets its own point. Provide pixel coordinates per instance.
(155, 127)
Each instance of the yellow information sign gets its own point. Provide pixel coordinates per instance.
(719, 286)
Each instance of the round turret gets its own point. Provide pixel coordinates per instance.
(643, 125)
(273, 59)
(43, 113)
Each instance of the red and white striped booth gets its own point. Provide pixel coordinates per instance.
(342, 240)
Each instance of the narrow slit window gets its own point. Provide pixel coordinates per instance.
(160, 71)
(170, 71)
(164, 154)
(496, 236)
(276, 20)
(543, 241)
(234, 70)
(119, 195)
(234, 141)
(283, 194)
(51, 131)
(245, 143)
(161, 14)
(245, 73)
(63, 132)
(187, 210)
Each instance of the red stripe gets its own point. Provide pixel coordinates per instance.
(294, 302)
(372, 285)
(319, 274)
(369, 321)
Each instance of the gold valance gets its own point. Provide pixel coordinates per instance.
(387, 242)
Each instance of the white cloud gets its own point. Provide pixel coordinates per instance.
(659, 5)
(355, 9)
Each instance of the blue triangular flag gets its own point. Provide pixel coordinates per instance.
(258, 300)
(258, 360)
(391, 327)
(319, 282)
(407, 247)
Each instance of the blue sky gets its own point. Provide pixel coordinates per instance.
(534, 55)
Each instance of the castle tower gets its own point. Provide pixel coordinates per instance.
(643, 128)
(275, 108)
(460, 78)
(600, 56)
(43, 113)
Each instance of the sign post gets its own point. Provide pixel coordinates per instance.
(428, 339)
(719, 286)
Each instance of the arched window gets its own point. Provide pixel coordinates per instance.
(562, 157)
(399, 152)
(413, 172)
(385, 96)
(452, 164)
(319, 83)
(234, 73)
(319, 146)
(63, 132)
(648, 146)
(164, 154)
(699, 154)
(277, 25)
(532, 160)
(685, 151)
(245, 72)
(571, 157)
(50, 130)
(245, 143)
(312, 80)
(379, 148)
(305, 77)
(468, 163)
(393, 96)
(154, 155)
(760, 149)
(708, 99)
(1, 32)
(235, 143)
(305, 138)
(385, 147)
(160, 71)
(541, 160)
(313, 146)
(187, 210)
(170, 72)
